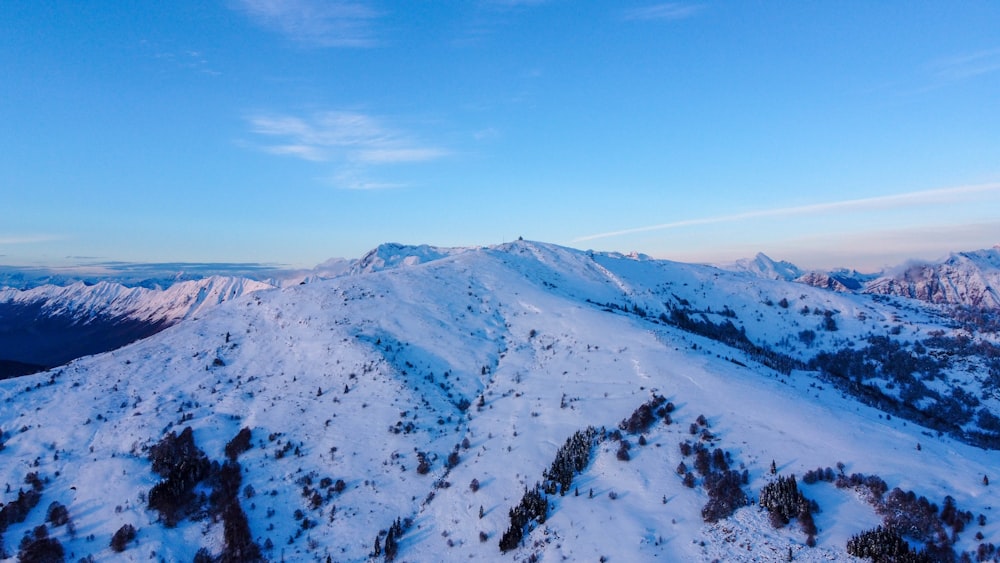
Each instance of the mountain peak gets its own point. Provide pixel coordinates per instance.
(393, 255)
(763, 266)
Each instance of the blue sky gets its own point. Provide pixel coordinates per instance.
(825, 133)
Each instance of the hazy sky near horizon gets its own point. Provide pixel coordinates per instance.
(825, 133)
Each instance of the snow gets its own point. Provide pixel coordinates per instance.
(965, 278)
(180, 301)
(523, 325)
(765, 267)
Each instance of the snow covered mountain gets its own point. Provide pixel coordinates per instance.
(829, 281)
(153, 275)
(49, 325)
(179, 301)
(965, 278)
(393, 255)
(764, 267)
(970, 279)
(408, 413)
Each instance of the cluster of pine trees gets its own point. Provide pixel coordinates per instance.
(727, 333)
(572, 458)
(239, 444)
(907, 366)
(885, 544)
(182, 465)
(784, 501)
(391, 542)
(534, 506)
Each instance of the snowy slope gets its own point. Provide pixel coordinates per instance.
(498, 355)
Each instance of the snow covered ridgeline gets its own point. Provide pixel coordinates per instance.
(409, 384)
(968, 279)
(47, 326)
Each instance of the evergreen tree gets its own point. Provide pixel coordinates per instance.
(784, 501)
(884, 544)
(390, 547)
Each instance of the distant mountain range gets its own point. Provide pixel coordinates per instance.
(49, 325)
(970, 279)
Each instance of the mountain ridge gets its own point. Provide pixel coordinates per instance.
(48, 325)
(409, 383)
(970, 278)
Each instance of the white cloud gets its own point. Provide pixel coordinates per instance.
(968, 65)
(304, 152)
(316, 23)
(516, 3)
(354, 180)
(391, 156)
(342, 136)
(27, 239)
(179, 58)
(927, 197)
(352, 141)
(486, 134)
(665, 11)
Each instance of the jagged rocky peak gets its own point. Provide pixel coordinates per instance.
(827, 281)
(965, 278)
(970, 279)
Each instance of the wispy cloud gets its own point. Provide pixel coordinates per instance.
(927, 197)
(515, 3)
(665, 11)
(402, 154)
(341, 136)
(316, 23)
(351, 140)
(183, 59)
(966, 66)
(27, 239)
(352, 179)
